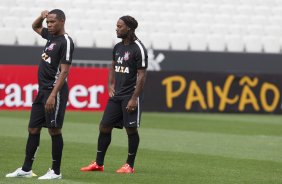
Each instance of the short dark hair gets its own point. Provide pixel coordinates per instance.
(59, 14)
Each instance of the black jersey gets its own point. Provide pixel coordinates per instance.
(127, 60)
(58, 50)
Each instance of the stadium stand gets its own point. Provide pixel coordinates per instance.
(200, 25)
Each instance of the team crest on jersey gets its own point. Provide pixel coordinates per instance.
(126, 56)
(51, 46)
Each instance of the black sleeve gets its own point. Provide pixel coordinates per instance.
(67, 48)
(45, 34)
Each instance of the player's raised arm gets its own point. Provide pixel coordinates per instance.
(37, 24)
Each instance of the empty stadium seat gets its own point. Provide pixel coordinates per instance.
(216, 42)
(4, 11)
(253, 43)
(274, 30)
(271, 44)
(192, 8)
(103, 39)
(160, 41)
(234, 43)
(84, 38)
(187, 18)
(87, 24)
(182, 27)
(95, 15)
(135, 5)
(7, 3)
(34, 12)
(226, 9)
(164, 27)
(179, 41)
(81, 4)
(172, 6)
(11, 22)
(225, 19)
(76, 13)
(151, 16)
(7, 36)
(26, 22)
(261, 10)
(197, 42)
(168, 17)
(72, 24)
(201, 28)
(242, 20)
(206, 19)
(18, 11)
(255, 30)
(219, 29)
(246, 10)
(146, 26)
(277, 11)
(236, 29)
(21, 3)
(259, 20)
(275, 20)
(25, 36)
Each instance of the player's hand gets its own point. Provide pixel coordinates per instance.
(50, 104)
(111, 90)
(44, 14)
(131, 105)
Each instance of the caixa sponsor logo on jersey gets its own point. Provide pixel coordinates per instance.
(80, 96)
(121, 69)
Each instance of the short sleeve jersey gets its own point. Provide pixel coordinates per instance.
(128, 59)
(58, 50)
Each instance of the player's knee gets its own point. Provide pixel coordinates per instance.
(131, 131)
(105, 129)
(34, 130)
(54, 131)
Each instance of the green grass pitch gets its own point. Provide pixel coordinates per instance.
(174, 148)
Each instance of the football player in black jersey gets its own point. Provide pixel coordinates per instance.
(126, 81)
(48, 109)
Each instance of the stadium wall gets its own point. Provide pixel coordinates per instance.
(176, 87)
(160, 60)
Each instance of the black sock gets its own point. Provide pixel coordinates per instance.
(104, 141)
(133, 142)
(31, 147)
(57, 149)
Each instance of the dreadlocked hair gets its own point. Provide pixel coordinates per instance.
(132, 24)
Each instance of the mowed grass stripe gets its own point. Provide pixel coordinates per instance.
(241, 124)
(92, 117)
(232, 124)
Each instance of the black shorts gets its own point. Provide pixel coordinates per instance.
(116, 115)
(39, 118)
